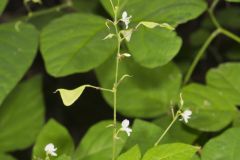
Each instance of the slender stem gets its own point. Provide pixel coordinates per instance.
(45, 11)
(200, 54)
(99, 88)
(165, 132)
(115, 86)
(230, 35)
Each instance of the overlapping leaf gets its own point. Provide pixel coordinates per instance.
(225, 146)
(147, 93)
(18, 43)
(97, 143)
(22, 116)
(73, 44)
(54, 133)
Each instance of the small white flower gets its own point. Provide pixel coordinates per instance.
(125, 19)
(126, 55)
(50, 149)
(186, 115)
(125, 127)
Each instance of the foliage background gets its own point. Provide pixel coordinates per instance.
(92, 108)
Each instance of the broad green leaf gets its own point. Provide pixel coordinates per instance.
(6, 157)
(132, 154)
(174, 151)
(18, 45)
(154, 47)
(22, 115)
(64, 157)
(196, 157)
(147, 93)
(70, 96)
(73, 44)
(179, 132)
(144, 134)
(161, 11)
(97, 143)
(3, 4)
(224, 147)
(232, 0)
(211, 110)
(86, 5)
(226, 80)
(54, 133)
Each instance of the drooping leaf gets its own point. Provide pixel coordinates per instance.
(97, 143)
(174, 151)
(73, 44)
(211, 111)
(54, 133)
(226, 80)
(151, 133)
(178, 132)
(3, 4)
(70, 96)
(147, 93)
(225, 146)
(18, 45)
(154, 47)
(6, 157)
(22, 115)
(161, 11)
(132, 154)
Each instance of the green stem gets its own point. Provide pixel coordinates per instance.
(200, 54)
(115, 86)
(168, 128)
(44, 12)
(230, 35)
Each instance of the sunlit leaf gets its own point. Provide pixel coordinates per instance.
(132, 154)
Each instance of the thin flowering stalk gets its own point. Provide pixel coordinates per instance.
(115, 23)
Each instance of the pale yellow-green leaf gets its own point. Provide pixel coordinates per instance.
(154, 24)
(70, 96)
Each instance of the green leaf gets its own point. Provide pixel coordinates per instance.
(226, 80)
(147, 93)
(154, 47)
(224, 147)
(196, 157)
(54, 133)
(161, 11)
(73, 44)
(64, 157)
(175, 151)
(18, 45)
(211, 110)
(151, 133)
(6, 157)
(70, 96)
(232, 0)
(179, 132)
(22, 115)
(132, 154)
(97, 143)
(3, 4)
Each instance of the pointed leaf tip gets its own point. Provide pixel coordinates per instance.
(70, 96)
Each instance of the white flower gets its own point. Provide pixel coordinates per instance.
(125, 19)
(50, 149)
(125, 127)
(186, 115)
(126, 55)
